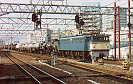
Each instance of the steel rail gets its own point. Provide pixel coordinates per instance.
(36, 80)
(42, 71)
(47, 74)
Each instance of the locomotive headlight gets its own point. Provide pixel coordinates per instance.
(94, 45)
(107, 45)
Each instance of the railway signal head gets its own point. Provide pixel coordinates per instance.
(77, 18)
(34, 17)
(38, 22)
(82, 22)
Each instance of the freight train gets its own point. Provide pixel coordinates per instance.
(40, 47)
(86, 47)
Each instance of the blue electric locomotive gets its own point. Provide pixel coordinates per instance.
(86, 47)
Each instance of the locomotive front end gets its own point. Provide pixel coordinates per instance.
(99, 46)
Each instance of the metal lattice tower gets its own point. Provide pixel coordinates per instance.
(15, 18)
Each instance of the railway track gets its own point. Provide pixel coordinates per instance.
(81, 76)
(34, 72)
(93, 77)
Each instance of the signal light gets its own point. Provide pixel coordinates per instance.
(77, 18)
(34, 17)
(82, 22)
(38, 22)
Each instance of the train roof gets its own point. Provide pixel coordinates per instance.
(85, 36)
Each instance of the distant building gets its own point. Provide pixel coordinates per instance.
(94, 20)
(108, 20)
(124, 42)
(123, 38)
(35, 36)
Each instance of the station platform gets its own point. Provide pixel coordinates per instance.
(111, 69)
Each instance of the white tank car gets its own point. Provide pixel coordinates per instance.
(31, 46)
(34, 45)
(18, 46)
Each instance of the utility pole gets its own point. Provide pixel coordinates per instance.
(129, 34)
(115, 30)
(119, 29)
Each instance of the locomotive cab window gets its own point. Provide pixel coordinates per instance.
(100, 38)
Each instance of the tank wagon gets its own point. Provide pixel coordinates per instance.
(42, 48)
(86, 47)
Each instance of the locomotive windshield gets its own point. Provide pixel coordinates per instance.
(100, 38)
